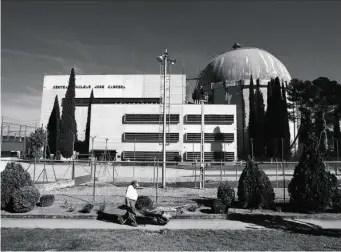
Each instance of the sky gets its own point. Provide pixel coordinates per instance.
(124, 37)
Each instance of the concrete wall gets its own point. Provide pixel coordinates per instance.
(106, 122)
(115, 86)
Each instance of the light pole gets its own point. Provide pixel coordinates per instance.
(164, 59)
(92, 143)
(202, 142)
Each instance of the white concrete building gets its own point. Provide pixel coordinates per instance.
(125, 117)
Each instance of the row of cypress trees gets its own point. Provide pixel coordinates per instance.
(62, 129)
(269, 133)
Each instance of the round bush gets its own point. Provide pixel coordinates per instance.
(254, 188)
(13, 177)
(46, 200)
(144, 203)
(87, 208)
(226, 193)
(23, 199)
(219, 207)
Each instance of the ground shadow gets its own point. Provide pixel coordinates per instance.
(277, 222)
(113, 218)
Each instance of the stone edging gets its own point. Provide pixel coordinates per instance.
(179, 216)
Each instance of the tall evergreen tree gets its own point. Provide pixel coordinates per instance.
(53, 128)
(336, 130)
(68, 125)
(252, 115)
(286, 129)
(260, 122)
(87, 130)
(270, 124)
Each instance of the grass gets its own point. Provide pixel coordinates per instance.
(190, 240)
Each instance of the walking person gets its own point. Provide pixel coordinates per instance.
(130, 201)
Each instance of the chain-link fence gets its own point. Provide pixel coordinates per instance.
(75, 178)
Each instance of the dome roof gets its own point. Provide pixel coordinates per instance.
(240, 64)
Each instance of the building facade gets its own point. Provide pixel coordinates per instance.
(126, 118)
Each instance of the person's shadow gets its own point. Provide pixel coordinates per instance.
(108, 217)
(217, 145)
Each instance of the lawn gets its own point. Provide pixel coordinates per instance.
(193, 240)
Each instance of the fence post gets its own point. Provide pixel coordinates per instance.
(113, 173)
(91, 164)
(157, 181)
(154, 173)
(94, 186)
(195, 174)
(277, 174)
(283, 181)
(34, 171)
(237, 164)
(73, 170)
(221, 170)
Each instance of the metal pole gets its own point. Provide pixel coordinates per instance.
(252, 148)
(34, 170)
(157, 181)
(277, 174)
(165, 61)
(202, 143)
(94, 186)
(113, 173)
(25, 141)
(221, 170)
(338, 155)
(134, 159)
(195, 173)
(154, 173)
(45, 144)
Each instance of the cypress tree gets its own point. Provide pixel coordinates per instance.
(286, 129)
(87, 129)
(53, 128)
(336, 130)
(252, 115)
(269, 121)
(260, 122)
(68, 125)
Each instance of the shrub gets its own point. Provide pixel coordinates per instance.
(13, 177)
(226, 193)
(143, 203)
(23, 199)
(87, 208)
(46, 200)
(219, 207)
(312, 189)
(254, 187)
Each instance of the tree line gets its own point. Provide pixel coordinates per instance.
(269, 132)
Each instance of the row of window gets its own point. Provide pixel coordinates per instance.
(130, 137)
(175, 119)
(174, 156)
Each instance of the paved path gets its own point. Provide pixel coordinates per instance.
(95, 224)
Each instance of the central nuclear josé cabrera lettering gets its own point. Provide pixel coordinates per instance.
(89, 86)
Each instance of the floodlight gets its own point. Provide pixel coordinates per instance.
(172, 61)
(160, 58)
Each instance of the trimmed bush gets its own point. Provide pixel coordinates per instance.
(219, 207)
(12, 178)
(312, 189)
(144, 203)
(23, 199)
(254, 187)
(226, 193)
(46, 200)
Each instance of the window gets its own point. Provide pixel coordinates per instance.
(148, 155)
(209, 119)
(129, 137)
(210, 137)
(150, 118)
(211, 156)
